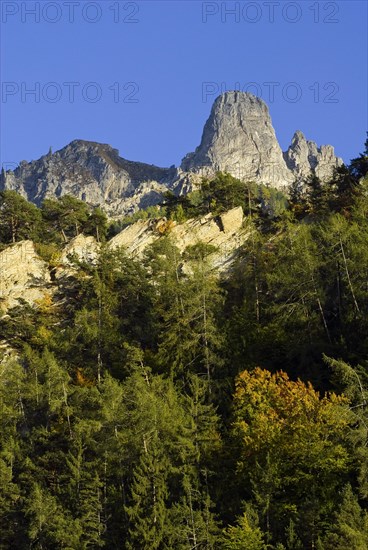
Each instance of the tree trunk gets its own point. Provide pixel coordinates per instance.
(348, 277)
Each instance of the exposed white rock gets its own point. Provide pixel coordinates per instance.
(7, 354)
(232, 220)
(135, 238)
(239, 138)
(23, 275)
(86, 249)
(82, 248)
(304, 156)
(225, 232)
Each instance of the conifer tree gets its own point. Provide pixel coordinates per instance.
(19, 219)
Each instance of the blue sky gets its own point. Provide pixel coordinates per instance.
(142, 76)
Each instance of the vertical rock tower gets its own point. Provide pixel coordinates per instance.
(239, 138)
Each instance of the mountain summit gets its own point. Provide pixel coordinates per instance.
(238, 138)
(92, 172)
(304, 156)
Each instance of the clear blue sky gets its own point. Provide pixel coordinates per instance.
(177, 56)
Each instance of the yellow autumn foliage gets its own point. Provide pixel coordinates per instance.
(274, 413)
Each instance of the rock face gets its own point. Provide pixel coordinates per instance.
(86, 249)
(91, 172)
(225, 232)
(232, 220)
(23, 275)
(304, 156)
(238, 138)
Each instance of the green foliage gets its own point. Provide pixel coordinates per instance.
(243, 536)
(359, 165)
(19, 219)
(96, 224)
(217, 195)
(68, 216)
(151, 212)
(49, 252)
(225, 192)
(189, 337)
(147, 513)
(154, 404)
(349, 528)
(291, 443)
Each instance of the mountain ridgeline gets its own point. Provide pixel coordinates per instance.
(238, 138)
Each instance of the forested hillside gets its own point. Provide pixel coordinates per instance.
(152, 404)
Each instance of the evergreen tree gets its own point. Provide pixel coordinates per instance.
(49, 525)
(243, 536)
(67, 215)
(190, 339)
(317, 196)
(147, 512)
(96, 225)
(359, 166)
(19, 219)
(349, 528)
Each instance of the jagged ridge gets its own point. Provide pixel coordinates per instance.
(238, 138)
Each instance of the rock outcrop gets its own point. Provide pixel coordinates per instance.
(304, 156)
(81, 248)
(238, 138)
(24, 276)
(225, 232)
(86, 249)
(92, 172)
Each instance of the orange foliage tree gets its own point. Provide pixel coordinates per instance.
(291, 450)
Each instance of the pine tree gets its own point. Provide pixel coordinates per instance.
(147, 511)
(49, 524)
(359, 166)
(243, 536)
(349, 528)
(190, 339)
(317, 196)
(19, 219)
(67, 216)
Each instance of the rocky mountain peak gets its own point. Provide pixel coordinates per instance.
(93, 172)
(303, 157)
(239, 138)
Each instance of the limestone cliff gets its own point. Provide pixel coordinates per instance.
(304, 156)
(26, 277)
(225, 232)
(238, 138)
(92, 172)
